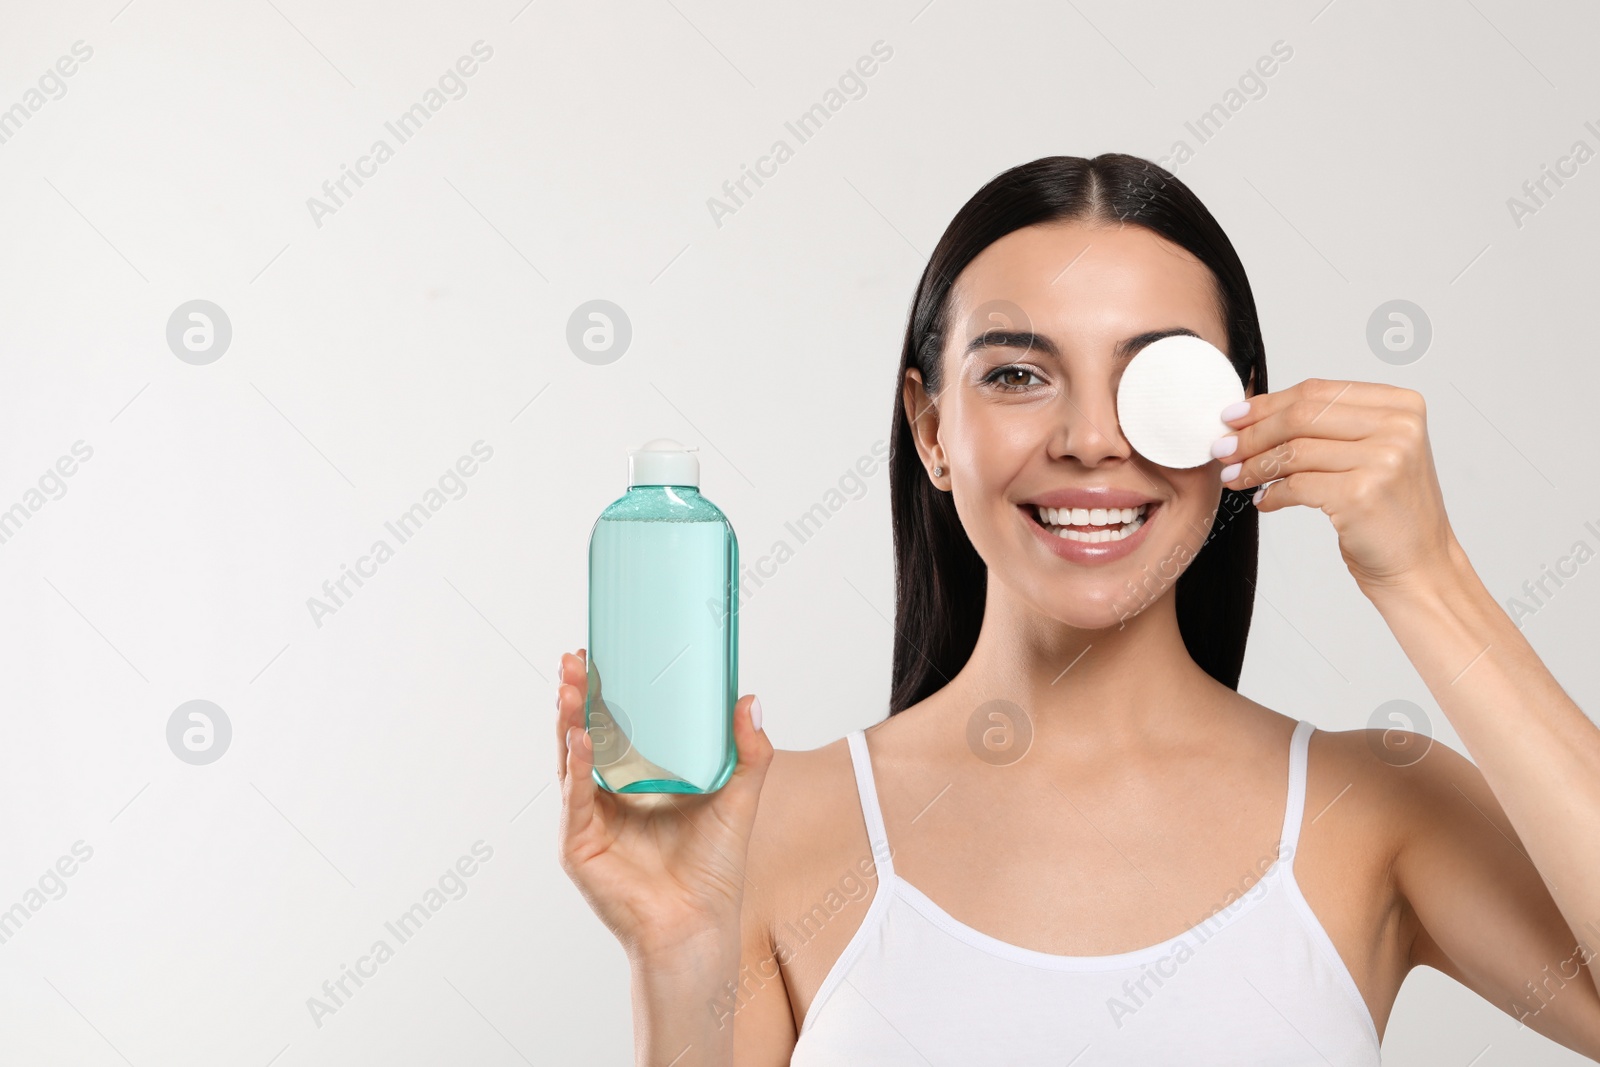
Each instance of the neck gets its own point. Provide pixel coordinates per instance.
(1085, 690)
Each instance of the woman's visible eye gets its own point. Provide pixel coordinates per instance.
(1006, 378)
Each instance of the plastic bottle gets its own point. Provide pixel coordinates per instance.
(663, 647)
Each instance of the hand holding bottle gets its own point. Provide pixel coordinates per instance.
(664, 872)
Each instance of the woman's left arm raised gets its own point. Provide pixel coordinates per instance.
(1359, 452)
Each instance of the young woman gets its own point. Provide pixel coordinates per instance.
(1072, 837)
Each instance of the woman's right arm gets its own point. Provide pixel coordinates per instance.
(677, 1001)
(666, 874)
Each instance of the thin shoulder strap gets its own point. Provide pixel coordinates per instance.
(1295, 807)
(868, 789)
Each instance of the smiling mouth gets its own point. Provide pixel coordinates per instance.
(1091, 525)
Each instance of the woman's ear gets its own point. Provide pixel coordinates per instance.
(923, 415)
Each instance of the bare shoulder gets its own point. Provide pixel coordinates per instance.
(1472, 903)
(804, 797)
(1424, 790)
(1393, 776)
(1362, 783)
(1373, 795)
(808, 825)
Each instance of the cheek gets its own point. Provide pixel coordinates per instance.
(1195, 486)
(989, 451)
(992, 443)
(1196, 496)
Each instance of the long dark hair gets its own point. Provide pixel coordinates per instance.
(940, 579)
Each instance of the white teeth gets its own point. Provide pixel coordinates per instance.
(1060, 521)
(1096, 536)
(1062, 517)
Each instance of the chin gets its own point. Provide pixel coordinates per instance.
(1102, 603)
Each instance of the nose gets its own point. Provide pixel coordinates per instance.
(1088, 429)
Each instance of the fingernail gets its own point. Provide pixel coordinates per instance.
(1224, 446)
(1233, 411)
(1231, 471)
(755, 713)
(1257, 498)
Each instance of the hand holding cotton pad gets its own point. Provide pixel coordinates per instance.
(1170, 398)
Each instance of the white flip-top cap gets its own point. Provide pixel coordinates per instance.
(663, 462)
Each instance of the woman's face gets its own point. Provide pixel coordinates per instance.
(1042, 324)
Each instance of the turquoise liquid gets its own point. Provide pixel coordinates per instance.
(663, 642)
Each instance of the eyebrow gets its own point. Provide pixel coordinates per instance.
(1126, 348)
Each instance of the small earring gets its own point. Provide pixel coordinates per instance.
(938, 472)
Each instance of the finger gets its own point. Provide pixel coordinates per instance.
(578, 787)
(1321, 393)
(1302, 418)
(561, 719)
(1298, 454)
(1313, 489)
(569, 707)
(743, 787)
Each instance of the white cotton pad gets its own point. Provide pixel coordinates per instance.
(1171, 398)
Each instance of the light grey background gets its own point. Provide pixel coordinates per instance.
(430, 311)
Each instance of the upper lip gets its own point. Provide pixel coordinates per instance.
(1090, 497)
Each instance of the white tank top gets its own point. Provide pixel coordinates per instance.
(1258, 982)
